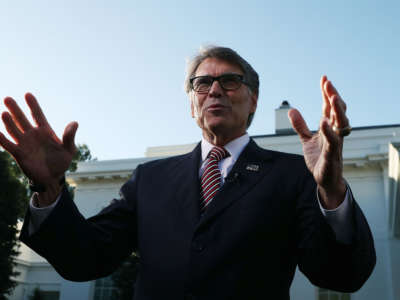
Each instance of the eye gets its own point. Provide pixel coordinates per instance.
(230, 81)
(202, 83)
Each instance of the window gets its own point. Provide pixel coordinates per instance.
(104, 289)
(44, 295)
(324, 294)
(49, 295)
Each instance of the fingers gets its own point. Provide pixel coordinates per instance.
(18, 116)
(69, 137)
(329, 89)
(299, 125)
(8, 145)
(326, 105)
(37, 113)
(334, 108)
(10, 126)
(327, 132)
(332, 142)
(339, 109)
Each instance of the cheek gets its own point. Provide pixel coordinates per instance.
(196, 107)
(242, 109)
(192, 108)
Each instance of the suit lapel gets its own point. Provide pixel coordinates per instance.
(252, 165)
(190, 195)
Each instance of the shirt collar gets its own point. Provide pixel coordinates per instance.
(234, 147)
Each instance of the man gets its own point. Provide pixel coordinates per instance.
(227, 221)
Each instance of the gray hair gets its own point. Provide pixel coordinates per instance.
(230, 56)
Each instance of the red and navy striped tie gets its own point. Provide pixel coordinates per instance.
(211, 178)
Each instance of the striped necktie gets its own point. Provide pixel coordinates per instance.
(211, 178)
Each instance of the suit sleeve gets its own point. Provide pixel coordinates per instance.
(327, 262)
(85, 249)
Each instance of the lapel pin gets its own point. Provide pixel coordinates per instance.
(253, 168)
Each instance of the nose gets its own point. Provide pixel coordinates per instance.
(215, 90)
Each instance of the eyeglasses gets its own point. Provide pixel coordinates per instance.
(229, 82)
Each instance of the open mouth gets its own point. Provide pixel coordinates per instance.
(216, 107)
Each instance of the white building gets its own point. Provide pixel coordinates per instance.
(371, 166)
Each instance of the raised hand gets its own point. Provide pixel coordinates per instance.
(323, 150)
(41, 155)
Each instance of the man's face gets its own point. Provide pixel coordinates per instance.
(222, 112)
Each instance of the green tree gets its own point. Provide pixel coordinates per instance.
(13, 195)
(125, 277)
(82, 154)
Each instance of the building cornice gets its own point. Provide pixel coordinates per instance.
(31, 264)
(360, 128)
(109, 170)
(91, 172)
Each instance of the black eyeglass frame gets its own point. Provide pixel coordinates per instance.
(239, 76)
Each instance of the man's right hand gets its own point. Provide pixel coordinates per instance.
(41, 155)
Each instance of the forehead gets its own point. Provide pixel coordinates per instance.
(215, 67)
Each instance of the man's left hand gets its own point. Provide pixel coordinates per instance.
(323, 150)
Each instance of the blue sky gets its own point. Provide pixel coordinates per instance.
(117, 67)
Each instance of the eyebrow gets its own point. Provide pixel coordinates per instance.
(228, 73)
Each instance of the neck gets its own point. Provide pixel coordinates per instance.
(221, 139)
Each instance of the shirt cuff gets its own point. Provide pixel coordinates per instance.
(39, 214)
(340, 218)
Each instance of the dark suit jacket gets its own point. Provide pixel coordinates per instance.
(259, 227)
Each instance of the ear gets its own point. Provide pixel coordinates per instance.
(191, 106)
(254, 100)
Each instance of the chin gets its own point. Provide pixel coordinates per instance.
(216, 124)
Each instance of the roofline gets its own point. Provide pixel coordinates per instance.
(354, 129)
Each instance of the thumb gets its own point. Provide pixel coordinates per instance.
(298, 124)
(69, 137)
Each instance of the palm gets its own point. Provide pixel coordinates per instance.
(323, 150)
(41, 155)
(322, 163)
(312, 155)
